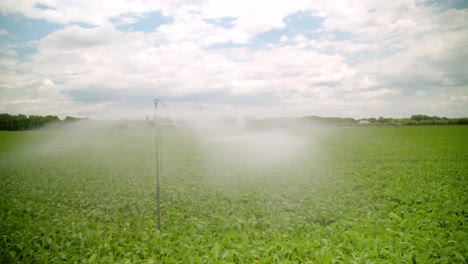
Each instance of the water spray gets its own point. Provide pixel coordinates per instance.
(157, 142)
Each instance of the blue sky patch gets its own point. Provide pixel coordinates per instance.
(23, 32)
(26, 52)
(304, 22)
(225, 22)
(42, 6)
(339, 35)
(23, 29)
(447, 4)
(147, 23)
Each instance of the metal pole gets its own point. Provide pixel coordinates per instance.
(157, 141)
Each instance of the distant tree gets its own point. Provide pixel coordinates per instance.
(70, 119)
(420, 117)
(22, 122)
(5, 121)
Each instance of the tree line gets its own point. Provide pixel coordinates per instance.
(23, 122)
(383, 121)
(414, 120)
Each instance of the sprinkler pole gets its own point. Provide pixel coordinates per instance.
(157, 140)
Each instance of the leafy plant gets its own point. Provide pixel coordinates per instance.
(382, 195)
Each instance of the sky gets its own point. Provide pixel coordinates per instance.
(262, 58)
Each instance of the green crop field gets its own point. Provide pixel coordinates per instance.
(352, 195)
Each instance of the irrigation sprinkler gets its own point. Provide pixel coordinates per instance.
(158, 156)
(157, 142)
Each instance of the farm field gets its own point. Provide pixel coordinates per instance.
(343, 195)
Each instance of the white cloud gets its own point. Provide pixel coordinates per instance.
(75, 37)
(370, 20)
(391, 53)
(200, 32)
(86, 11)
(8, 51)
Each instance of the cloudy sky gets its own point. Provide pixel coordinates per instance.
(353, 58)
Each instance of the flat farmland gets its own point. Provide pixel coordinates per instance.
(308, 195)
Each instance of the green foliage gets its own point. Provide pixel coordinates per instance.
(22, 122)
(365, 195)
(347, 121)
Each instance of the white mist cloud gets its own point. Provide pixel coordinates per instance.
(255, 149)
